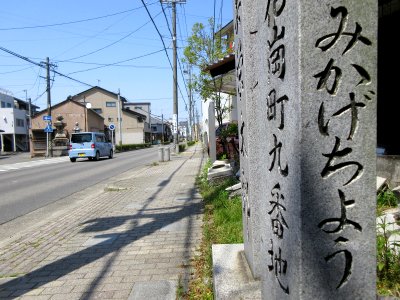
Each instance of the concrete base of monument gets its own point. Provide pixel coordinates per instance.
(232, 275)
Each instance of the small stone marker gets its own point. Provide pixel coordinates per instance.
(306, 88)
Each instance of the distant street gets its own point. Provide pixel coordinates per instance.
(23, 190)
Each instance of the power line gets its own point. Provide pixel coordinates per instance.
(42, 66)
(155, 26)
(109, 45)
(116, 63)
(179, 63)
(165, 48)
(74, 22)
(15, 71)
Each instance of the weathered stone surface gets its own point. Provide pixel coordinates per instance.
(306, 78)
(219, 172)
(231, 274)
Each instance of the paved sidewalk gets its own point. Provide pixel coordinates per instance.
(134, 241)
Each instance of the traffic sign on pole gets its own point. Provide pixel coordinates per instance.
(111, 126)
(46, 118)
(48, 128)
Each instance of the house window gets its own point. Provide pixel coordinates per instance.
(111, 104)
(98, 110)
(110, 119)
(8, 105)
(3, 104)
(153, 128)
(20, 123)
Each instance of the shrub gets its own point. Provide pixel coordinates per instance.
(191, 143)
(182, 147)
(129, 147)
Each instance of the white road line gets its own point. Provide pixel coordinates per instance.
(30, 164)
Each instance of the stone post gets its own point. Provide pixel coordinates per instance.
(306, 78)
(211, 131)
(161, 154)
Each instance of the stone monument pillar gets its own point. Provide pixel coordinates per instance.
(306, 79)
(60, 142)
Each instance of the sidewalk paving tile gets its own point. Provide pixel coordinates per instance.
(132, 242)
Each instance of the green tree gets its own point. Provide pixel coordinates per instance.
(205, 48)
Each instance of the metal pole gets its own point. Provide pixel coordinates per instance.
(119, 118)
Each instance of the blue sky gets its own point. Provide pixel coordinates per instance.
(79, 35)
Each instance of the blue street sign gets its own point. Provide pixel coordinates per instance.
(111, 126)
(48, 128)
(46, 118)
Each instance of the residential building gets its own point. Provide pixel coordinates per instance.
(76, 117)
(14, 123)
(183, 129)
(143, 108)
(161, 131)
(129, 124)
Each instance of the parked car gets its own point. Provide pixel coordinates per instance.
(91, 145)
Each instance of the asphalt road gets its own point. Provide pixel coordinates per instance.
(28, 189)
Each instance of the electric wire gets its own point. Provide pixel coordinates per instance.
(16, 71)
(42, 65)
(75, 22)
(179, 63)
(109, 45)
(115, 63)
(165, 48)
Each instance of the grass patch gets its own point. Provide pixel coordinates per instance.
(388, 260)
(222, 224)
(386, 199)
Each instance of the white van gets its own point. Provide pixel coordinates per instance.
(91, 145)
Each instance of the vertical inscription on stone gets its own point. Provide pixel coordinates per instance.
(306, 81)
(347, 36)
(275, 102)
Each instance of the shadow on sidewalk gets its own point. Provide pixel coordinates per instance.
(64, 266)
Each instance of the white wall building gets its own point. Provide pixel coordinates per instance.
(13, 124)
(229, 101)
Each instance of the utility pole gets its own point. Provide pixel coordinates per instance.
(175, 73)
(49, 148)
(175, 85)
(27, 127)
(119, 118)
(30, 114)
(162, 129)
(190, 103)
(151, 131)
(197, 122)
